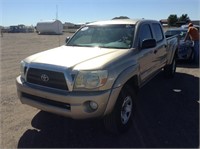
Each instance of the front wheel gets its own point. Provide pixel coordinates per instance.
(121, 117)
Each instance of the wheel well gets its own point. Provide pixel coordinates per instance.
(133, 82)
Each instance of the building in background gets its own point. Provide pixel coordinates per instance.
(164, 22)
(71, 27)
(54, 27)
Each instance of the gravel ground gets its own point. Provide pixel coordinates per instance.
(168, 109)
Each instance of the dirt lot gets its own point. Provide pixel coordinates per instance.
(169, 109)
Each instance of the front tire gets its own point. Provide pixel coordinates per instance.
(121, 117)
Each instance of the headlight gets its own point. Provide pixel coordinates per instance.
(22, 69)
(91, 79)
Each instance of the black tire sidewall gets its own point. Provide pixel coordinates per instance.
(169, 70)
(191, 57)
(126, 91)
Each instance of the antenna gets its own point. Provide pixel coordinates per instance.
(56, 12)
(57, 23)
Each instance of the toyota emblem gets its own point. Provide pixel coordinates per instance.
(44, 78)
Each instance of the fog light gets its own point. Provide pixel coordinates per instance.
(93, 105)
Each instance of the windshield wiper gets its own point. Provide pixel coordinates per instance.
(79, 45)
(110, 47)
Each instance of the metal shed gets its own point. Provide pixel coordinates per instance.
(50, 27)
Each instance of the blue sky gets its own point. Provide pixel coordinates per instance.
(29, 12)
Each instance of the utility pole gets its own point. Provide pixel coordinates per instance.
(56, 12)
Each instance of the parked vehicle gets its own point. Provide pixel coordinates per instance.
(17, 29)
(99, 71)
(186, 26)
(185, 49)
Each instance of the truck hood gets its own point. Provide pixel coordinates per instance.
(79, 57)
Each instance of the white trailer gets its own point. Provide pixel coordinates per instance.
(50, 27)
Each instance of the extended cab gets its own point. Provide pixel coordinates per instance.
(99, 71)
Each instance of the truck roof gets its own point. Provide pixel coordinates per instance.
(120, 21)
(116, 21)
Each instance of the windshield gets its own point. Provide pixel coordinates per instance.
(104, 36)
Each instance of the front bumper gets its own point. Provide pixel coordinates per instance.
(70, 104)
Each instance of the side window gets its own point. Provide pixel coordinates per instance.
(158, 32)
(145, 33)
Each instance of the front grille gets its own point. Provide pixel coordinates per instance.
(47, 101)
(47, 78)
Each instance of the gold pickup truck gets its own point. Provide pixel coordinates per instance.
(99, 71)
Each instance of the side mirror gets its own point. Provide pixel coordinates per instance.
(148, 43)
(67, 39)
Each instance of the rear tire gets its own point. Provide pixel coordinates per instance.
(120, 119)
(191, 58)
(170, 70)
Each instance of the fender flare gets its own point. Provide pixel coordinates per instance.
(121, 80)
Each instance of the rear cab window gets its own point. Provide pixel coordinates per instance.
(158, 33)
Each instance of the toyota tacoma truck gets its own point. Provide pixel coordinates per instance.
(99, 71)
